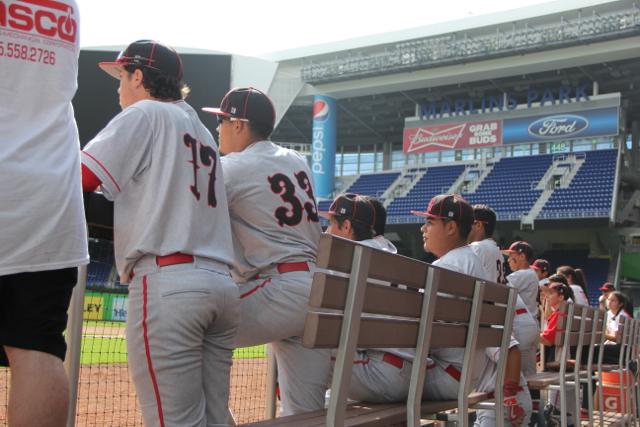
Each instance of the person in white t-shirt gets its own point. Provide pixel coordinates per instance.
(616, 304)
(575, 278)
(43, 230)
(523, 278)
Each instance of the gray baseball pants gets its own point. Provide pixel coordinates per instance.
(273, 310)
(376, 378)
(180, 334)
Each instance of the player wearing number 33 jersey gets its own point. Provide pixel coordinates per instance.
(160, 166)
(275, 227)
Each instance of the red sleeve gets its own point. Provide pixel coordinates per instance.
(89, 180)
(549, 332)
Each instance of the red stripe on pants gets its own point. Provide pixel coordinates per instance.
(261, 285)
(152, 374)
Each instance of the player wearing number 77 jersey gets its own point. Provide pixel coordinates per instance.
(159, 164)
(275, 227)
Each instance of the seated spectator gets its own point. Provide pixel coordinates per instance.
(577, 281)
(557, 292)
(617, 303)
(606, 289)
(542, 268)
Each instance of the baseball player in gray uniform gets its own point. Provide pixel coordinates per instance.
(384, 375)
(377, 375)
(276, 230)
(172, 235)
(380, 225)
(525, 327)
(523, 278)
(543, 271)
(446, 231)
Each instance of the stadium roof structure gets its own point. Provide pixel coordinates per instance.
(378, 80)
(531, 14)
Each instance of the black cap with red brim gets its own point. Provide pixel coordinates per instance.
(148, 54)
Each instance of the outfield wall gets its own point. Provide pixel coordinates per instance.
(105, 306)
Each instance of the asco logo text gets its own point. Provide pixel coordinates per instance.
(47, 18)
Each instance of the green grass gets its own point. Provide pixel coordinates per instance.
(99, 346)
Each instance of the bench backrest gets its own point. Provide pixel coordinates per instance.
(366, 298)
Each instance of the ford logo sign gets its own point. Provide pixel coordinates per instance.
(558, 126)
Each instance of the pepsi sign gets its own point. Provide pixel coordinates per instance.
(559, 126)
(320, 110)
(323, 145)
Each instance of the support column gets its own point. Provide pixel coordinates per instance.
(635, 143)
(387, 155)
(323, 155)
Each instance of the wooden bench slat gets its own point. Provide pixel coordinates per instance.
(322, 330)
(494, 292)
(435, 406)
(454, 283)
(379, 418)
(335, 253)
(330, 292)
(307, 418)
(542, 380)
(356, 412)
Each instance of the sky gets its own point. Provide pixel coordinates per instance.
(255, 27)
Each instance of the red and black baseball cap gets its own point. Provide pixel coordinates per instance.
(246, 103)
(353, 207)
(520, 247)
(149, 54)
(607, 287)
(541, 265)
(449, 206)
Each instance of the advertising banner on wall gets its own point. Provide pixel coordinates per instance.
(94, 305)
(596, 118)
(581, 124)
(456, 136)
(323, 144)
(119, 308)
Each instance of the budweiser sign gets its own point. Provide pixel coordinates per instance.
(454, 136)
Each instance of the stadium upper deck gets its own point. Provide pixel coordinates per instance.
(379, 81)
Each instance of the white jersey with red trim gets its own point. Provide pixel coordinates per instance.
(462, 260)
(274, 217)
(492, 259)
(526, 282)
(153, 155)
(380, 242)
(579, 295)
(41, 210)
